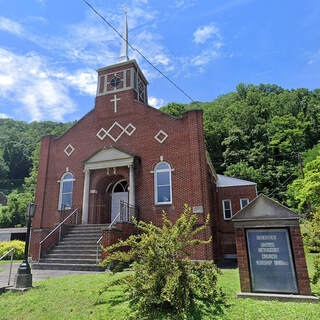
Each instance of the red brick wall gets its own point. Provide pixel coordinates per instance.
(121, 231)
(300, 261)
(226, 243)
(109, 237)
(242, 256)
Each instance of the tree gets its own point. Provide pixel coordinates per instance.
(163, 281)
(13, 215)
(17, 159)
(308, 189)
(175, 109)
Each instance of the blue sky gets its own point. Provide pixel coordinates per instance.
(50, 49)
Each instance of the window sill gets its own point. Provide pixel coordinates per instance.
(163, 204)
(64, 210)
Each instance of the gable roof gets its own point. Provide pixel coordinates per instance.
(264, 208)
(225, 181)
(108, 158)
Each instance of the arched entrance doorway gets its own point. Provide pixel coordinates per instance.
(109, 191)
(119, 192)
(94, 187)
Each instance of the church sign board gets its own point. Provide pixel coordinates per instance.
(270, 252)
(270, 261)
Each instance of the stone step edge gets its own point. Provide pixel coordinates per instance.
(68, 256)
(66, 261)
(62, 266)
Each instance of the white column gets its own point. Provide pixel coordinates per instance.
(132, 199)
(85, 201)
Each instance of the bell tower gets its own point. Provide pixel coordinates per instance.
(121, 81)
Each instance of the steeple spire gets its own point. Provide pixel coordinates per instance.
(124, 45)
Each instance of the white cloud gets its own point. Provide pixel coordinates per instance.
(162, 59)
(6, 80)
(4, 116)
(37, 89)
(229, 5)
(204, 57)
(84, 80)
(184, 4)
(156, 102)
(204, 33)
(313, 57)
(150, 45)
(140, 1)
(10, 26)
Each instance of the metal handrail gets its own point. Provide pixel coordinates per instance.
(115, 220)
(97, 252)
(99, 240)
(76, 211)
(127, 211)
(12, 252)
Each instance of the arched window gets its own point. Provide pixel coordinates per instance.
(65, 196)
(162, 183)
(120, 186)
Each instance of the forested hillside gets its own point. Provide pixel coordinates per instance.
(19, 157)
(18, 142)
(256, 133)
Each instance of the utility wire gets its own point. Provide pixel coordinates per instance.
(135, 49)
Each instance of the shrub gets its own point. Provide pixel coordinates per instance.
(163, 282)
(18, 249)
(316, 276)
(311, 234)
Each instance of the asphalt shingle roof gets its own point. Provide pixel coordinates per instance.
(225, 181)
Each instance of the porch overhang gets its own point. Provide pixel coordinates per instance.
(108, 158)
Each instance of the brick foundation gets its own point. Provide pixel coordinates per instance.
(121, 231)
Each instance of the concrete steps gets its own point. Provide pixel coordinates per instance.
(76, 251)
(67, 266)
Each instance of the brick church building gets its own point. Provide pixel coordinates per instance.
(125, 156)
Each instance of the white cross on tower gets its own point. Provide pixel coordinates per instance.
(115, 99)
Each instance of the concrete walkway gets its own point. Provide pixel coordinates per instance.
(37, 275)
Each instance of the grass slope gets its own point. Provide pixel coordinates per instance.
(75, 297)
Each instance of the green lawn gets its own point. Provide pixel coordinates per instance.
(75, 297)
(248, 309)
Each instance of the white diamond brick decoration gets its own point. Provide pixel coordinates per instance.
(161, 136)
(115, 125)
(118, 131)
(68, 150)
(101, 133)
(130, 129)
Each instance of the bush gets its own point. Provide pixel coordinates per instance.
(311, 234)
(316, 263)
(18, 249)
(163, 282)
